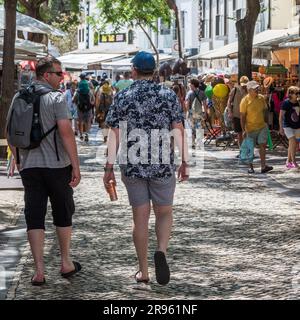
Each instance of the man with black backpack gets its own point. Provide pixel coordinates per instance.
(85, 100)
(40, 135)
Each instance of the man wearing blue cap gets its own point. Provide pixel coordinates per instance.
(147, 107)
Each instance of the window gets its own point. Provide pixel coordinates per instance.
(182, 16)
(210, 19)
(233, 5)
(164, 29)
(130, 37)
(239, 14)
(225, 18)
(79, 35)
(82, 36)
(218, 25)
(174, 29)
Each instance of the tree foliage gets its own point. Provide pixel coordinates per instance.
(131, 13)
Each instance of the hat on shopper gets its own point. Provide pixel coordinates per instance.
(268, 82)
(209, 78)
(144, 61)
(252, 85)
(243, 81)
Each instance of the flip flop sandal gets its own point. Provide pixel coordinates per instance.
(77, 266)
(162, 270)
(145, 281)
(37, 283)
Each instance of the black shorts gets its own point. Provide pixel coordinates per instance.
(237, 125)
(41, 184)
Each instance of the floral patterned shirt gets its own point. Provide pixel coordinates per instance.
(145, 112)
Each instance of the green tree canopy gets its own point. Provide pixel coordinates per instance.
(131, 13)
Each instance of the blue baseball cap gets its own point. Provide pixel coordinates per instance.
(144, 61)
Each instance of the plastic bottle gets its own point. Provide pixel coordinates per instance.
(111, 190)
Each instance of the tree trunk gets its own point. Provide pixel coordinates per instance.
(172, 5)
(245, 29)
(8, 73)
(152, 44)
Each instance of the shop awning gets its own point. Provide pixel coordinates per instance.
(125, 64)
(26, 50)
(85, 61)
(265, 39)
(29, 24)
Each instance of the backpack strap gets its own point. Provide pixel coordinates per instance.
(235, 91)
(36, 109)
(18, 156)
(197, 97)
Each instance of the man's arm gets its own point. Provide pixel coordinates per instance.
(68, 139)
(181, 142)
(113, 142)
(243, 123)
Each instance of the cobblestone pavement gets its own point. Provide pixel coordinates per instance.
(12, 233)
(235, 236)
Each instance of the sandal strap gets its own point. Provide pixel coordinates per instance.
(146, 281)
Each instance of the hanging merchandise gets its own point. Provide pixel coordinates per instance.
(209, 92)
(220, 91)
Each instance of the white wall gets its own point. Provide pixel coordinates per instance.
(284, 14)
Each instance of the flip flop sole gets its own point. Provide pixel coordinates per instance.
(77, 266)
(162, 270)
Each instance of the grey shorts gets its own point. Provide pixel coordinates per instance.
(141, 191)
(260, 136)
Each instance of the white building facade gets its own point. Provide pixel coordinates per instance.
(128, 40)
(90, 39)
(218, 24)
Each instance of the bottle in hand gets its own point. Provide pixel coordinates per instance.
(111, 190)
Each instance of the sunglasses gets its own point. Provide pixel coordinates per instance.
(58, 73)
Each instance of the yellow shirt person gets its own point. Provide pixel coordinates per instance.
(254, 109)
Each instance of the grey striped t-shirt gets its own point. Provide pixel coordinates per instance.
(53, 107)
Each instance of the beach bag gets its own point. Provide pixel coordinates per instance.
(247, 151)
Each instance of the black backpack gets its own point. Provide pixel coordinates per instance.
(84, 103)
(24, 127)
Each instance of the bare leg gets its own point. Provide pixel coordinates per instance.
(163, 226)
(64, 239)
(141, 217)
(36, 239)
(240, 139)
(81, 128)
(76, 125)
(262, 153)
(292, 149)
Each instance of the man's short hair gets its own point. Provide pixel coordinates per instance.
(127, 75)
(195, 83)
(45, 65)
